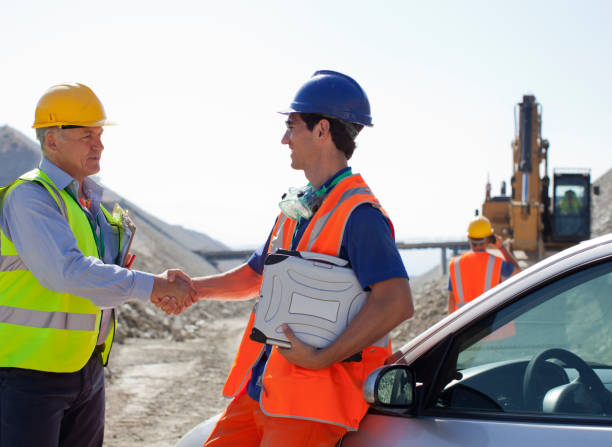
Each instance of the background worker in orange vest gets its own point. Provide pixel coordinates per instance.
(306, 397)
(476, 271)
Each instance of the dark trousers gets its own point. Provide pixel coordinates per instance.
(44, 409)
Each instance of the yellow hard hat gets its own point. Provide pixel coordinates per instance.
(69, 105)
(480, 228)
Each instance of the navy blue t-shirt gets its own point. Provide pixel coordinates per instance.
(367, 244)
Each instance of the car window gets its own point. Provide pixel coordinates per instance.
(550, 352)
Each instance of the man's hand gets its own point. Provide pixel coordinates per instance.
(173, 292)
(302, 354)
(168, 304)
(499, 242)
(175, 274)
(504, 247)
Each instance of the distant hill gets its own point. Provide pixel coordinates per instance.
(601, 206)
(159, 245)
(18, 154)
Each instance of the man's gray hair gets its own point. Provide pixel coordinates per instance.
(41, 134)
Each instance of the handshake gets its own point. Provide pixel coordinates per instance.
(173, 292)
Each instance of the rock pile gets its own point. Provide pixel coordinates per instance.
(430, 296)
(18, 154)
(601, 206)
(137, 320)
(145, 321)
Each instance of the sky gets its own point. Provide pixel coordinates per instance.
(195, 86)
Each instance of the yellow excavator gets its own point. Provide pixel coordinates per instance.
(537, 223)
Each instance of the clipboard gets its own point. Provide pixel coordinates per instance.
(124, 259)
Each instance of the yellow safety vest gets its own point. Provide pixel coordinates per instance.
(41, 329)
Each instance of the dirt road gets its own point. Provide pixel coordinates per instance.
(157, 390)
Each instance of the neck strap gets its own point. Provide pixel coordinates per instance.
(325, 188)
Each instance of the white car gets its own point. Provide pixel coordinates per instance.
(528, 363)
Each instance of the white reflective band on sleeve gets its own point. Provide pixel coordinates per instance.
(489, 276)
(458, 284)
(48, 320)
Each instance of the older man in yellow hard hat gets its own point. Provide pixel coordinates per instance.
(63, 260)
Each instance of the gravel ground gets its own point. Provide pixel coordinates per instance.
(157, 390)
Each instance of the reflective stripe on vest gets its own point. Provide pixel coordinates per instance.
(11, 263)
(282, 233)
(47, 320)
(473, 279)
(41, 329)
(458, 286)
(320, 222)
(489, 274)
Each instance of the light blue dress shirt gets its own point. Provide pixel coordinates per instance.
(32, 220)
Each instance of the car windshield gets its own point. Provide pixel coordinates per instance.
(548, 352)
(574, 313)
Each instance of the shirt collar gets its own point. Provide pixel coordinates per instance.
(334, 177)
(58, 176)
(62, 180)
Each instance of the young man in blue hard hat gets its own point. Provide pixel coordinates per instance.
(303, 396)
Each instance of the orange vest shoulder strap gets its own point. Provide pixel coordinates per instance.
(325, 230)
(282, 234)
(493, 275)
(456, 281)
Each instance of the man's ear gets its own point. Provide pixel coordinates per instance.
(51, 140)
(323, 128)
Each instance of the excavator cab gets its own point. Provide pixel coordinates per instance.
(571, 213)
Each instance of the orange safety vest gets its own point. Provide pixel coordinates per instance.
(472, 274)
(332, 395)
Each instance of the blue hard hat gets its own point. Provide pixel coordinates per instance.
(333, 94)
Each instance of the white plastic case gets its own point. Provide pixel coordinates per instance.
(315, 294)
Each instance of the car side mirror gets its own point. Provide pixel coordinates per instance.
(390, 387)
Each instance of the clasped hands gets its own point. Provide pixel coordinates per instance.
(173, 292)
